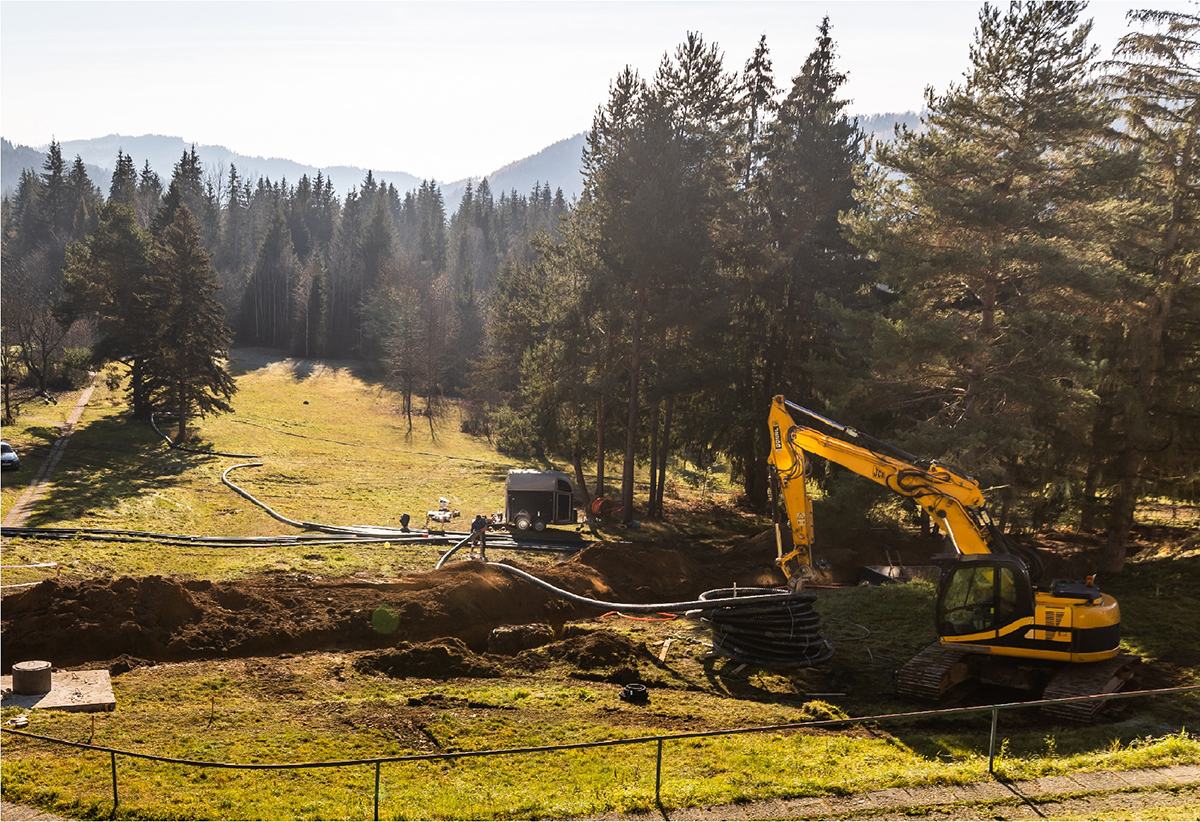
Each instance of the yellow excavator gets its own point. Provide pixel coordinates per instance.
(994, 624)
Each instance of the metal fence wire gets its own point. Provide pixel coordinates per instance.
(658, 740)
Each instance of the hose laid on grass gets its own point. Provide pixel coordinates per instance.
(758, 626)
(177, 447)
(379, 531)
(376, 447)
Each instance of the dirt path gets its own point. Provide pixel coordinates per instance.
(21, 509)
(1113, 794)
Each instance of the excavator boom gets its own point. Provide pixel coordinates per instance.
(988, 609)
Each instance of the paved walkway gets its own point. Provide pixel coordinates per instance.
(21, 509)
(1079, 796)
(1082, 795)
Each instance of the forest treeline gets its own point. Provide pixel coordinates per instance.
(1011, 286)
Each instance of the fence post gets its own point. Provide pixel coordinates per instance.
(113, 754)
(992, 743)
(658, 776)
(376, 792)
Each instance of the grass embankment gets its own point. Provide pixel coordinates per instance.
(320, 707)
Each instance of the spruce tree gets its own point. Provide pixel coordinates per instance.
(149, 195)
(122, 190)
(800, 262)
(188, 374)
(108, 278)
(55, 206)
(269, 302)
(85, 200)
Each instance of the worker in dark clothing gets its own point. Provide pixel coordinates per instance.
(479, 536)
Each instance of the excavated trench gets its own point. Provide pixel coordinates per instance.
(73, 622)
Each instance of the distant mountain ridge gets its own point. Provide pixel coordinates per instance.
(554, 165)
(559, 165)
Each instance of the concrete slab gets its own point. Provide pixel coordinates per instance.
(982, 792)
(1047, 785)
(937, 794)
(1140, 777)
(85, 691)
(1183, 774)
(1096, 781)
(808, 808)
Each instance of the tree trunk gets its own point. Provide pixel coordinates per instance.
(181, 433)
(581, 484)
(664, 451)
(1090, 508)
(1124, 503)
(652, 511)
(635, 365)
(600, 446)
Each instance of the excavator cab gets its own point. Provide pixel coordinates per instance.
(980, 596)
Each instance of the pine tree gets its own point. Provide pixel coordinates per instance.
(56, 209)
(797, 262)
(188, 375)
(108, 278)
(984, 229)
(149, 195)
(122, 190)
(85, 200)
(268, 305)
(1150, 359)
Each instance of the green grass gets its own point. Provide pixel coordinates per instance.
(319, 707)
(322, 706)
(335, 450)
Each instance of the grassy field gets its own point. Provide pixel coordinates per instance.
(335, 450)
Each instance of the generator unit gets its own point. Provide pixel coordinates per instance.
(535, 499)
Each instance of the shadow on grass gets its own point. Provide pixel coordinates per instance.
(244, 361)
(109, 460)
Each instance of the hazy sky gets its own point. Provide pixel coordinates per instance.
(438, 89)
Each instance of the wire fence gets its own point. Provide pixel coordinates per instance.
(659, 741)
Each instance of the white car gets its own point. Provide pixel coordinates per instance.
(8, 457)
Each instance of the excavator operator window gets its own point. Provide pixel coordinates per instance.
(978, 597)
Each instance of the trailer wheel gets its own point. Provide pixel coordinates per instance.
(522, 522)
(538, 525)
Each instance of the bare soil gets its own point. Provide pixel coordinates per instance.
(127, 622)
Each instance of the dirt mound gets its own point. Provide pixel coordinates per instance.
(128, 621)
(71, 622)
(600, 649)
(440, 659)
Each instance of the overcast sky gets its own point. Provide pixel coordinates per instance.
(442, 90)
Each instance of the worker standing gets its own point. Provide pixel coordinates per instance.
(479, 536)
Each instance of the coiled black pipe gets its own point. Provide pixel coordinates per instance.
(761, 626)
(783, 633)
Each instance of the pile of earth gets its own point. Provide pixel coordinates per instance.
(72, 622)
(594, 654)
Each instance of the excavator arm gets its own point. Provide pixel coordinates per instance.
(988, 613)
(953, 501)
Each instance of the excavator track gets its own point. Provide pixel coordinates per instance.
(931, 674)
(1106, 677)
